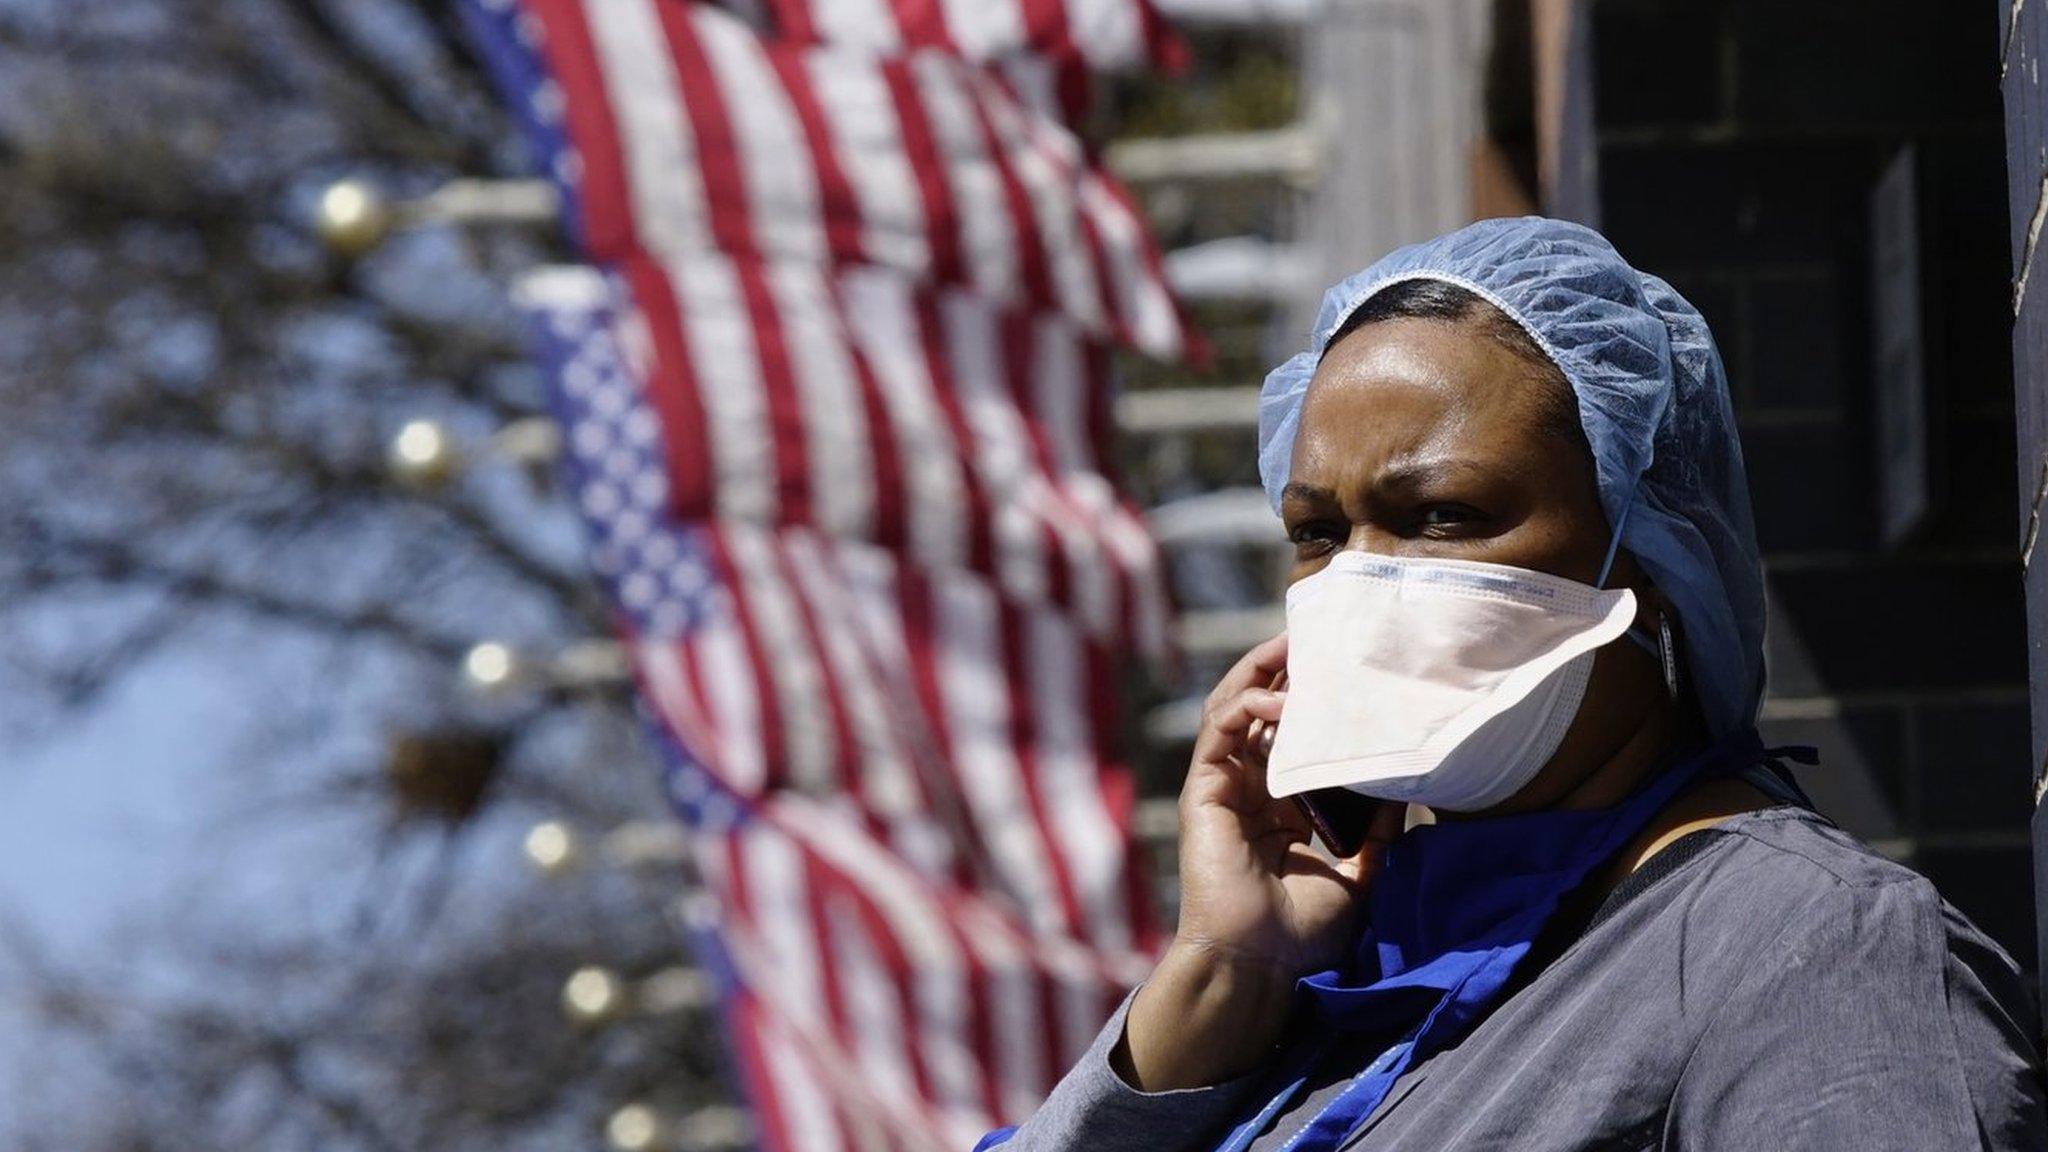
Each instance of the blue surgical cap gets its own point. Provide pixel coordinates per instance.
(1653, 399)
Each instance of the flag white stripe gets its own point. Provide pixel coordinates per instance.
(1154, 622)
(1070, 781)
(1016, 1011)
(887, 784)
(774, 155)
(1142, 299)
(794, 971)
(870, 578)
(999, 454)
(976, 701)
(1108, 34)
(836, 434)
(1059, 376)
(1080, 1015)
(983, 29)
(866, 132)
(729, 687)
(872, 1012)
(864, 23)
(662, 172)
(845, 1106)
(881, 318)
(1070, 264)
(988, 237)
(1035, 80)
(792, 663)
(667, 189)
(669, 689)
(725, 367)
(919, 928)
(800, 1098)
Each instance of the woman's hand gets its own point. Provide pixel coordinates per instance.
(1259, 906)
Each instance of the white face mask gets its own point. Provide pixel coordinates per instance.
(1446, 683)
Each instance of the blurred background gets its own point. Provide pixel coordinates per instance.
(325, 817)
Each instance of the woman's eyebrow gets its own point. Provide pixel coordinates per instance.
(1296, 490)
(1399, 475)
(1416, 472)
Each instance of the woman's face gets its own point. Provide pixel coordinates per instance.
(1429, 438)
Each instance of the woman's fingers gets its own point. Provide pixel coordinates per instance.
(1255, 668)
(1217, 773)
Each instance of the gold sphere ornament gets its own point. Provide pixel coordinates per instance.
(491, 668)
(635, 1128)
(593, 995)
(422, 455)
(551, 848)
(354, 217)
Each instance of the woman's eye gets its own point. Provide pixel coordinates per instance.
(1441, 516)
(1308, 537)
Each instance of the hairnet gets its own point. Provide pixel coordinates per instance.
(1652, 397)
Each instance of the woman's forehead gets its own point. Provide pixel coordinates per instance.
(1405, 387)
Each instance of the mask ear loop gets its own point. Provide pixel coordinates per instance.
(1642, 638)
(1663, 646)
(1614, 542)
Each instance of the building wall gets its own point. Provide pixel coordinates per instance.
(1738, 142)
(2021, 55)
(1397, 84)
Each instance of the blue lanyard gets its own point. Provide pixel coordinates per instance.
(1346, 1112)
(1293, 1081)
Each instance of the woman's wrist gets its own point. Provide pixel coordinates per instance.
(1205, 1016)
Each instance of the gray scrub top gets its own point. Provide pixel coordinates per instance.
(1768, 984)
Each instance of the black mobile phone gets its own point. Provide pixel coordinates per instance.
(1342, 818)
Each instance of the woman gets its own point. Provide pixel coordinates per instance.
(1527, 602)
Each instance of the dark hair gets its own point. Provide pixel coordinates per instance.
(1427, 299)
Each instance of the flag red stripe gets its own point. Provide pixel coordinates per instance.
(774, 742)
(1046, 24)
(839, 205)
(791, 466)
(671, 386)
(793, 20)
(981, 994)
(1019, 358)
(902, 971)
(1030, 244)
(747, 1029)
(718, 145)
(574, 62)
(941, 213)
(846, 746)
(1023, 732)
(819, 884)
(938, 370)
(890, 523)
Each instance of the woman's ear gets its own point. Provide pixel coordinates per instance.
(1656, 618)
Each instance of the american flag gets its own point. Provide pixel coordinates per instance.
(676, 129)
(1106, 35)
(835, 387)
